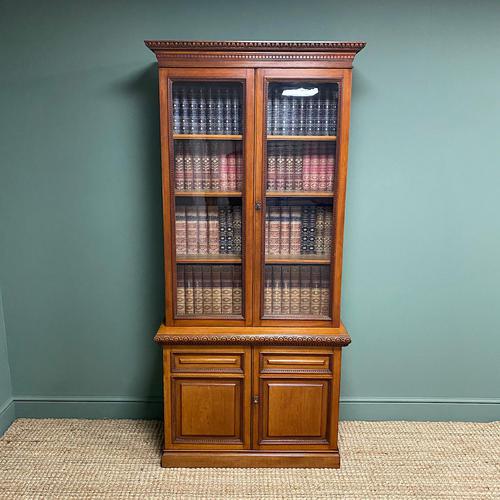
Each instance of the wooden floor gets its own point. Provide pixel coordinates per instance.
(84, 459)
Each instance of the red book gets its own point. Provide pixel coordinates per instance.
(192, 230)
(202, 231)
(330, 166)
(223, 171)
(188, 169)
(285, 231)
(213, 230)
(322, 181)
(306, 167)
(314, 171)
(239, 171)
(274, 230)
(231, 171)
(180, 230)
(295, 230)
(179, 166)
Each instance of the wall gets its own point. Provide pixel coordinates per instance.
(80, 208)
(7, 409)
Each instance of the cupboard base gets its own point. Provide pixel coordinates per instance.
(246, 459)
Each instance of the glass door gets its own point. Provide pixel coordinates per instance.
(211, 185)
(298, 123)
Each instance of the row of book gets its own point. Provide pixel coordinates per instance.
(298, 230)
(209, 290)
(208, 230)
(207, 166)
(301, 115)
(297, 291)
(308, 166)
(202, 109)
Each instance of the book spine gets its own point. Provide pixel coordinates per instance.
(276, 290)
(176, 111)
(192, 230)
(311, 231)
(211, 127)
(202, 230)
(268, 291)
(301, 126)
(198, 290)
(239, 171)
(295, 290)
(185, 116)
(180, 230)
(237, 228)
(309, 129)
(205, 168)
(202, 110)
(304, 228)
(306, 167)
(197, 166)
(276, 112)
(284, 239)
(285, 291)
(297, 169)
(289, 168)
(231, 172)
(274, 230)
(266, 233)
(222, 230)
(226, 290)
(194, 120)
(325, 291)
(315, 291)
(295, 230)
(213, 230)
(280, 169)
(317, 115)
(328, 231)
(188, 169)
(216, 290)
(320, 231)
(189, 290)
(284, 115)
(330, 168)
(219, 112)
(269, 115)
(237, 291)
(214, 166)
(223, 171)
(322, 169)
(181, 297)
(229, 231)
(179, 166)
(293, 116)
(305, 290)
(207, 290)
(271, 168)
(314, 168)
(228, 106)
(236, 112)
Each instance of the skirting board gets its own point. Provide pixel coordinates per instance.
(7, 415)
(420, 409)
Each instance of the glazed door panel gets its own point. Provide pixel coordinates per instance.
(207, 131)
(300, 183)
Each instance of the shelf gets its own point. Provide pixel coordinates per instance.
(210, 194)
(290, 259)
(298, 194)
(208, 259)
(209, 137)
(301, 137)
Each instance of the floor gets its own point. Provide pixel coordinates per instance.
(64, 459)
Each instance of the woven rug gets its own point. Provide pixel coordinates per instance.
(64, 459)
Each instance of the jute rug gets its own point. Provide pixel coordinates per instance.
(65, 459)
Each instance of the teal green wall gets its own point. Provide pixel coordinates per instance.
(80, 207)
(7, 409)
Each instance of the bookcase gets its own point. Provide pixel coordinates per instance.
(254, 140)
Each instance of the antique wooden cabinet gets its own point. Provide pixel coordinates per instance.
(254, 139)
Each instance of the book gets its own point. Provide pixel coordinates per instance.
(191, 230)
(305, 290)
(231, 171)
(297, 169)
(176, 111)
(325, 291)
(322, 168)
(229, 231)
(276, 290)
(236, 112)
(188, 169)
(180, 230)
(179, 166)
(227, 112)
(295, 230)
(202, 110)
(315, 291)
(271, 168)
(207, 290)
(295, 290)
(306, 167)
(213, 230)
(223, 172)
(198, 290)
(284, 238)
(268, 291)
(226, 290)
(219, 111)
(185, 118)
(237, 226)
(304, 229)
(188, 289)
(202, 230)
(239, 171)
(289, 168)
(274, 230)
(194, 119)
(280, 168)
(222, 230)
(206, 183)
(320, 231)
(197, 166)
(285, 291)
(237, 291)
(181, 298)
(215, 166)
(216, 290)
(330, 167)
(328, 232)
(314, 167)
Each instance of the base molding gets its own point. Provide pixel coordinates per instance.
(246, 459)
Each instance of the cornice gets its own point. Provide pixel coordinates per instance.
(340, 340)
(264, 46)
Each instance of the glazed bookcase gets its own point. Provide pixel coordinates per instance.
(254, 139)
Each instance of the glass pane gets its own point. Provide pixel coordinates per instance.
(209, 291)
(298, 229)
(297, 291)
(208, 227)
(301, 108)
(207, 108)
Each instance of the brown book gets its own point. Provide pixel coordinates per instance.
(280, 169)
(328, 231)
(197, 167)
(237, 291)
(284, 238)
(180, 230)
(320, 231)
(216, 290)
(271, 168)
(297, 168)
(207, 290)
(179, 166)
(198, 290)
(274, 230)
(325, 291)
(330, 167)
(289, 168)
(214, 166)
(315, 291)
(276, 290)
(266, 234)
(231, 171)
(305, 290)
(202, 230)
(188, 169)
(306, 167)
(223, 171)
(213, 230)
(192, 230)
(181, 297)
(205, 168)
(268, 291)
(285, 290)
(189, 290)
(314, 167)
(239, 171)
(226, 290)
(295, 290)
(295, 230)
(322, 168)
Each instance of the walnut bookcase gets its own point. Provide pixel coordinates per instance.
(254, 139)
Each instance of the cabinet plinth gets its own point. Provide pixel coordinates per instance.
(254, 139)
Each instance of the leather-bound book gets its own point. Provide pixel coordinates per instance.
(202, 111)
(268, 291)
(274, 230)
(205, 168)
(213, 230)
(192, 230)
(289, 167)
(271, 168)
(181, 297)
(198, 290)
(330, 168)
(295, 230)
(202, 230)
(315, 291)
(305, 290)
(328, 231)
(207, 290)
(295, 290)
(280, 168)
(237, 227)
(285, 231)
(216, 290)
(185, 114)
(197, 166)
(180, 230)
(325, 291)
(214, 166)
(179, 166)
(223, 230)
(276, 290)
(320, 231)
(237, 291)
(306, 167)
(188, 169)
(297, 168)
(314, 168)
(226, 290)
(285, 290)
(189, 289)
(239, 171)
(229, 230)
(322, 168)
(231, 171)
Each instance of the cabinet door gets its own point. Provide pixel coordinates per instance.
(301, 161)
(296, 398)
(207, 161)
(207, 397)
